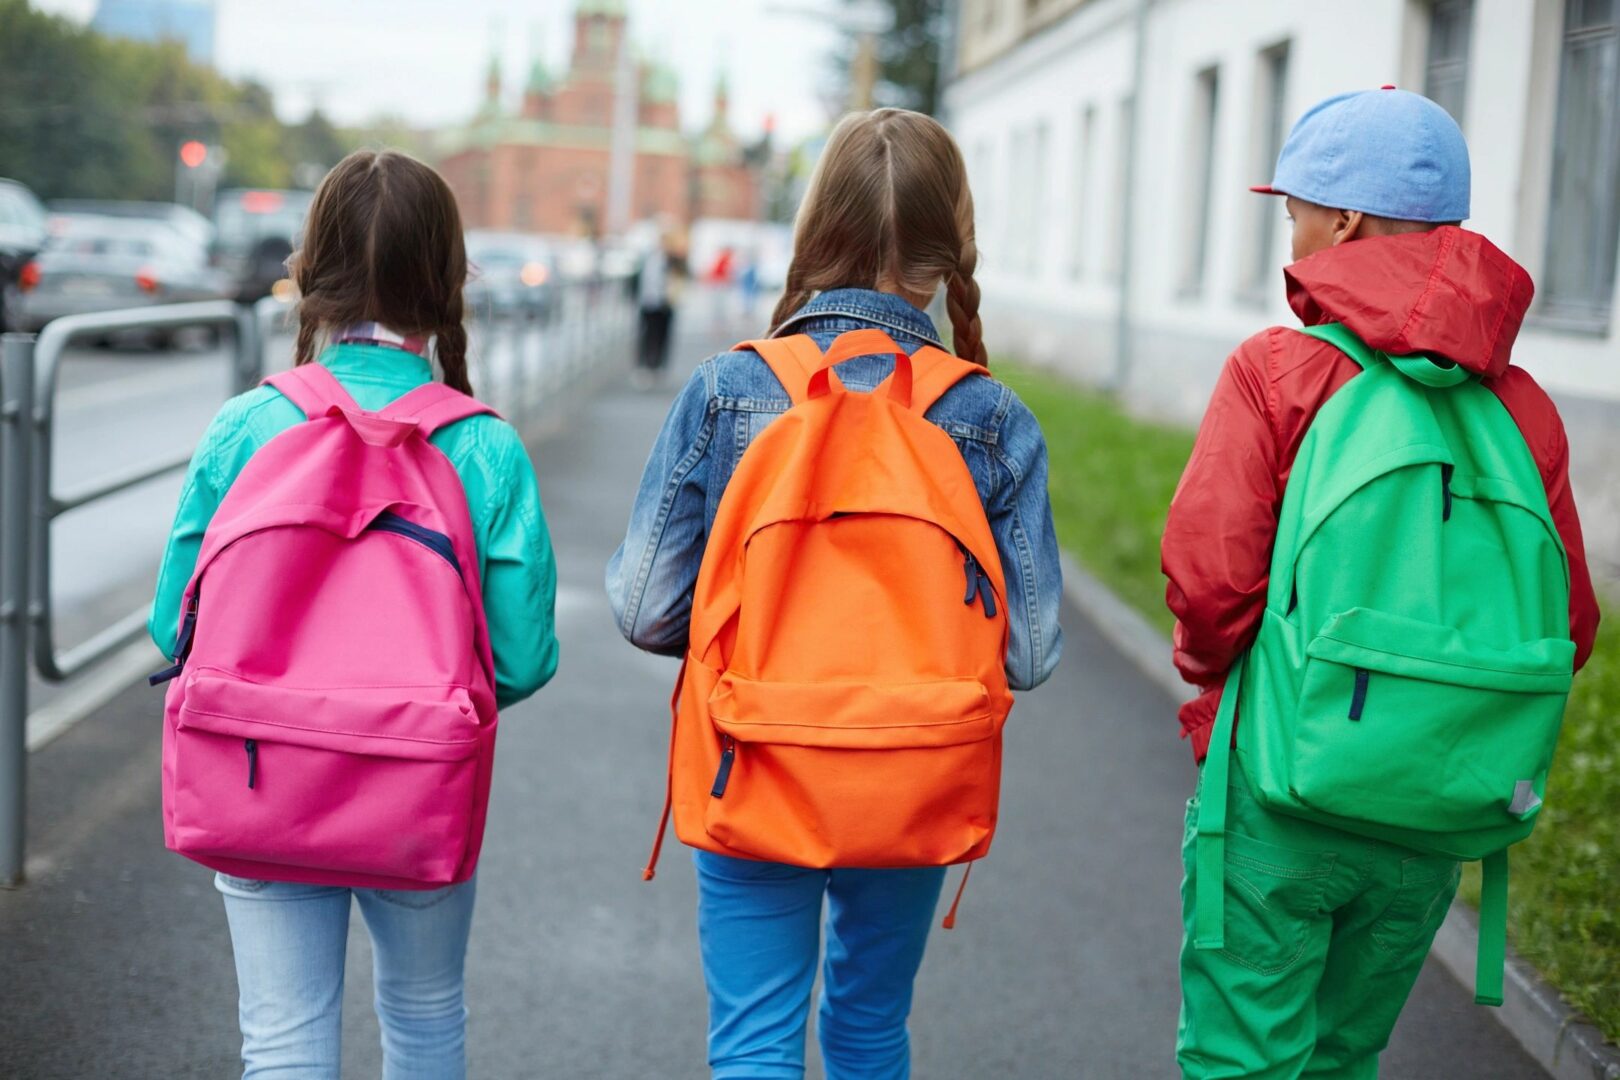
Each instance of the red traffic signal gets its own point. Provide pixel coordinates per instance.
(193, 153)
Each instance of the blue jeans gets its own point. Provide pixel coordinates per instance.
(290, 942)
(759, 928)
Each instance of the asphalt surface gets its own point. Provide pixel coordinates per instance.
(117, 963)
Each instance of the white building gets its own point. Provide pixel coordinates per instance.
(1111, 144)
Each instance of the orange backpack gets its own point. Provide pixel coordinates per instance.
(844, 689)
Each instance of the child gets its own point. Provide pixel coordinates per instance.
(887, 220)
(380, 274)
(1325, 930)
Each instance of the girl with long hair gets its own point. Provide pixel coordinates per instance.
(887, 222)
(380, 273)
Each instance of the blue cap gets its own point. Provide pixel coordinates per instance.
(1387, 152)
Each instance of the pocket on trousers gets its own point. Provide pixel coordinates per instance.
(1273, 896)
(1407, 926)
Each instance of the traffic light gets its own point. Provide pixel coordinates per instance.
(193, 154)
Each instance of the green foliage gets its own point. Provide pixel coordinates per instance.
(1565, 893)
(83, 115)
(908, 54)
(1111, 481)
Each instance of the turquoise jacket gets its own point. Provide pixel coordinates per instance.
(515, 561)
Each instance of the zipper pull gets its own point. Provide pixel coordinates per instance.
(988, 595)
(1445, 490)
(727, 756)
(182, 646)
(970, 568)
(252, 747)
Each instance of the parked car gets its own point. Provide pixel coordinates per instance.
(257, 229)
(22, 234)
(183, 219)
(510, 274)
(91, 262)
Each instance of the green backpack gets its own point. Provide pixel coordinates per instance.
(1409, 677)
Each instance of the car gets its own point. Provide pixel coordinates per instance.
(183, 219)
(91, 262)
(22, 234)
(510, 274)
(257, 228)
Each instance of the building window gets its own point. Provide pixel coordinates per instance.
(1445, 72)
(1035, 241)
(1201, 173)
(1271, 125)
(1085, 157)
(1583, 225)
(1118, 237)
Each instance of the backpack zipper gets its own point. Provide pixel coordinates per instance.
(182, 647)
(252, 748)
(1445, 490)
(1358, 696)
(978, 583)
(723, 776)
(437, 542)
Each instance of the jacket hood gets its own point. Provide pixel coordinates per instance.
(1448, 292)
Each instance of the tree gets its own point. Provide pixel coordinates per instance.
(908, 54)
(84, 115)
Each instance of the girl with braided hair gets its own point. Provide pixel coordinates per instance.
(886, 223)
(379, 272)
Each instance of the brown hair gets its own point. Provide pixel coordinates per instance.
(889, 202)
(383, 243)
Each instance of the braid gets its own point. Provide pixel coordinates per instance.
(962, 301)
(451, 351)
(304, 351)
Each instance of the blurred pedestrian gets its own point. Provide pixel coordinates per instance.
(380, 272)
(1414, 633)
(658, 285)
(863, 606)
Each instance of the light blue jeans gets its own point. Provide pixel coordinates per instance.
(290, 942)
(759, 929)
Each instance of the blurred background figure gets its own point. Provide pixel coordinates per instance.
(659, 282)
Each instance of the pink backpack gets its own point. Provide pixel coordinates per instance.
(331, 718)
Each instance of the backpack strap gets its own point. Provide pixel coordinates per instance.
(1491, 958)
(313, 389)
(1209, 845)
(934, 371)
(1417, 367)
(796, 360)
(433, 406)
(792, 360)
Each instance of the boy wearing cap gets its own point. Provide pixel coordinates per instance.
(1325, 930)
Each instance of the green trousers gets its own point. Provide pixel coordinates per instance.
(1325, 934)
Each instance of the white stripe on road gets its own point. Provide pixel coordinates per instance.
(167, 381)
(84, 696)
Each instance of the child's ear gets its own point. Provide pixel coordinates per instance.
(1346, 225)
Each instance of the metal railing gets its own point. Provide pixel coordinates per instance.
(524, 367)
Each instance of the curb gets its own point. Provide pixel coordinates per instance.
(1560, 1039)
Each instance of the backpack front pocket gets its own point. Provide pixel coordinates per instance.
(1409, 725)
(374, 782)
(855, 774)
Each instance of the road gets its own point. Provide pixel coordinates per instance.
(1063, 963)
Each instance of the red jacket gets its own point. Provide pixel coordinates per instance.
(1448, 292)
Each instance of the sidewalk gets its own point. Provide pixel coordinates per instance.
(1063, 964)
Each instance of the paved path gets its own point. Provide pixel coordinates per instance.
(117, 964)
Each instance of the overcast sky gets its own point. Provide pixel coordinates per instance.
(425, 59)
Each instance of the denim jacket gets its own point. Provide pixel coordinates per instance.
(733, 396)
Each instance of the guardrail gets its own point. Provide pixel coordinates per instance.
(522, 366)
